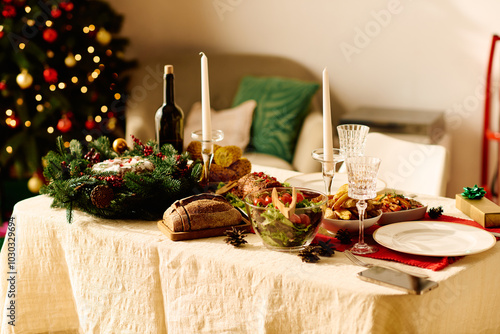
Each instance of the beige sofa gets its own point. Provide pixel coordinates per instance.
(225, 73)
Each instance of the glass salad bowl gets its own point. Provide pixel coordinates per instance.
(281, 224)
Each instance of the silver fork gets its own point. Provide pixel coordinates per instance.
(361, 263)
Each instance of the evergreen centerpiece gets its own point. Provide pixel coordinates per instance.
(145, 182)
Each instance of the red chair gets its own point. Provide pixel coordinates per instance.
(490, 136)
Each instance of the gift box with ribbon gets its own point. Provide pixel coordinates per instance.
(482, 210)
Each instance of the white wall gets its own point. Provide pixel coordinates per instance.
(416, 54)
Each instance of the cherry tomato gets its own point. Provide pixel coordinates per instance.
(258, 201)
(304, 219)
(300, 197)
(286, 198)
(294, 218)
(267, 200)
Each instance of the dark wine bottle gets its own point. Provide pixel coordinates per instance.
(169, 119)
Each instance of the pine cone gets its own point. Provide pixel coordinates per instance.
(235, 237)
(343, 236)
(101, 196)
(309, 255)
(435, 212)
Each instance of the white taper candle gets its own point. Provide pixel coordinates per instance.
(327, 121)
(206, 120)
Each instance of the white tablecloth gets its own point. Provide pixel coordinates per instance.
(118, 276)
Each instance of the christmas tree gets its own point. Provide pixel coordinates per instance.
(62, 70)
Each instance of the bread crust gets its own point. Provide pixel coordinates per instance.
(200, 212)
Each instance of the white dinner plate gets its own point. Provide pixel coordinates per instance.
(315, 181)
(434, 238)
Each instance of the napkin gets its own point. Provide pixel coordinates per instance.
(429, 262)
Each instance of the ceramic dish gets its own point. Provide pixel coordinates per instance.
(434, 238)
(402, 216)
(352, 225)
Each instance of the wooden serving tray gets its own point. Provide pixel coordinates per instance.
(244, 226)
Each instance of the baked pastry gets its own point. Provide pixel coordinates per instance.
(227, 155)
(200, 212)
(221, 174)
(241, 167)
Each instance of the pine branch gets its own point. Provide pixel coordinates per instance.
(143, 195)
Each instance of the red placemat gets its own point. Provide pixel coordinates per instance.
(429, 262)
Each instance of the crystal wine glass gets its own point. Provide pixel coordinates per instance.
(329, 167)
(352, 138)
(362, 179)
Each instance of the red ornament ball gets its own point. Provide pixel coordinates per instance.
(50, 75)
(64, 125)
(56, 12)
(90, 123)
(67, 6)
(50, 35)
(8, 11)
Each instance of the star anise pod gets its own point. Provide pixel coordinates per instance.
(343, 236)
(235, 237)
(435, 212)
(325, 248)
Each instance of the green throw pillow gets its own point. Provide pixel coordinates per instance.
(282, 105)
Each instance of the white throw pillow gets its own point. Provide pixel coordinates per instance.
(234, 122)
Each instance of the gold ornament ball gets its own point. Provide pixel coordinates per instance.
(103, 36)
(35, 183)
(70, 60)
(120, 145)
(24, 79)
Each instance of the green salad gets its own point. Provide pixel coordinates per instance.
(278, 231)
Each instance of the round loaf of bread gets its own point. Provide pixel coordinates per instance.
(200, 212)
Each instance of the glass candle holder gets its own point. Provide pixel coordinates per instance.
(207, 151)
(328, 167)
